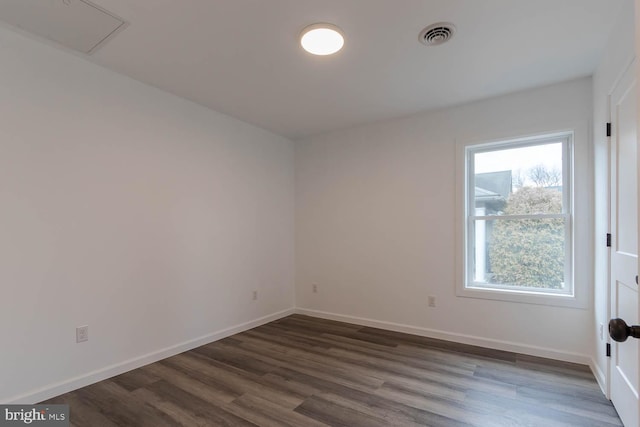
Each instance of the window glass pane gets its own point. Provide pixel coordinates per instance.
(518, 181)
(520, 253)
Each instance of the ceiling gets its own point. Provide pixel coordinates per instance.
(242, 58)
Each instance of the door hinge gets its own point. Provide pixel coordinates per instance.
(608, 350)
(608, 240)
(608, 129)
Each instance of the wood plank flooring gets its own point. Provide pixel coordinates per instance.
(301, 371)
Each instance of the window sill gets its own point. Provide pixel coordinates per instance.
(522, 297)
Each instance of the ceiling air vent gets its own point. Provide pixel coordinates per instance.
(436, 34)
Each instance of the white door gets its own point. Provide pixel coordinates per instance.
(625, 364)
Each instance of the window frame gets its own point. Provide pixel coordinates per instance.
(465, 285)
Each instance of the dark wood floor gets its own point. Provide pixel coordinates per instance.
(301, 371)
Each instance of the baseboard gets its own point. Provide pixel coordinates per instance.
(514, 347)
(600, 377)
(56, 389)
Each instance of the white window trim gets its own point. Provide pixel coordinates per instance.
(579, 228)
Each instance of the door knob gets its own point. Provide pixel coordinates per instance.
(620, 331)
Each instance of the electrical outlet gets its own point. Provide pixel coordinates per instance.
(82, 333)
(431, 301)
(314, 287)
(255, 295)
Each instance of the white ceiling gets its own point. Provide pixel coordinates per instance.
(242, 57)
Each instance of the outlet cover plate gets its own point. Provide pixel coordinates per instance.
(82, 333)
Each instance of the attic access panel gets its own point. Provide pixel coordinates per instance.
(76, 24)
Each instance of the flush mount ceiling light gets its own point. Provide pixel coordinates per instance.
(322, 39)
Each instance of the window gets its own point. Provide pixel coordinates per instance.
(518, 217)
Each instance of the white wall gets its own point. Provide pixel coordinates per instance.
(142, 215)
(618, 55)
(376, 224)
